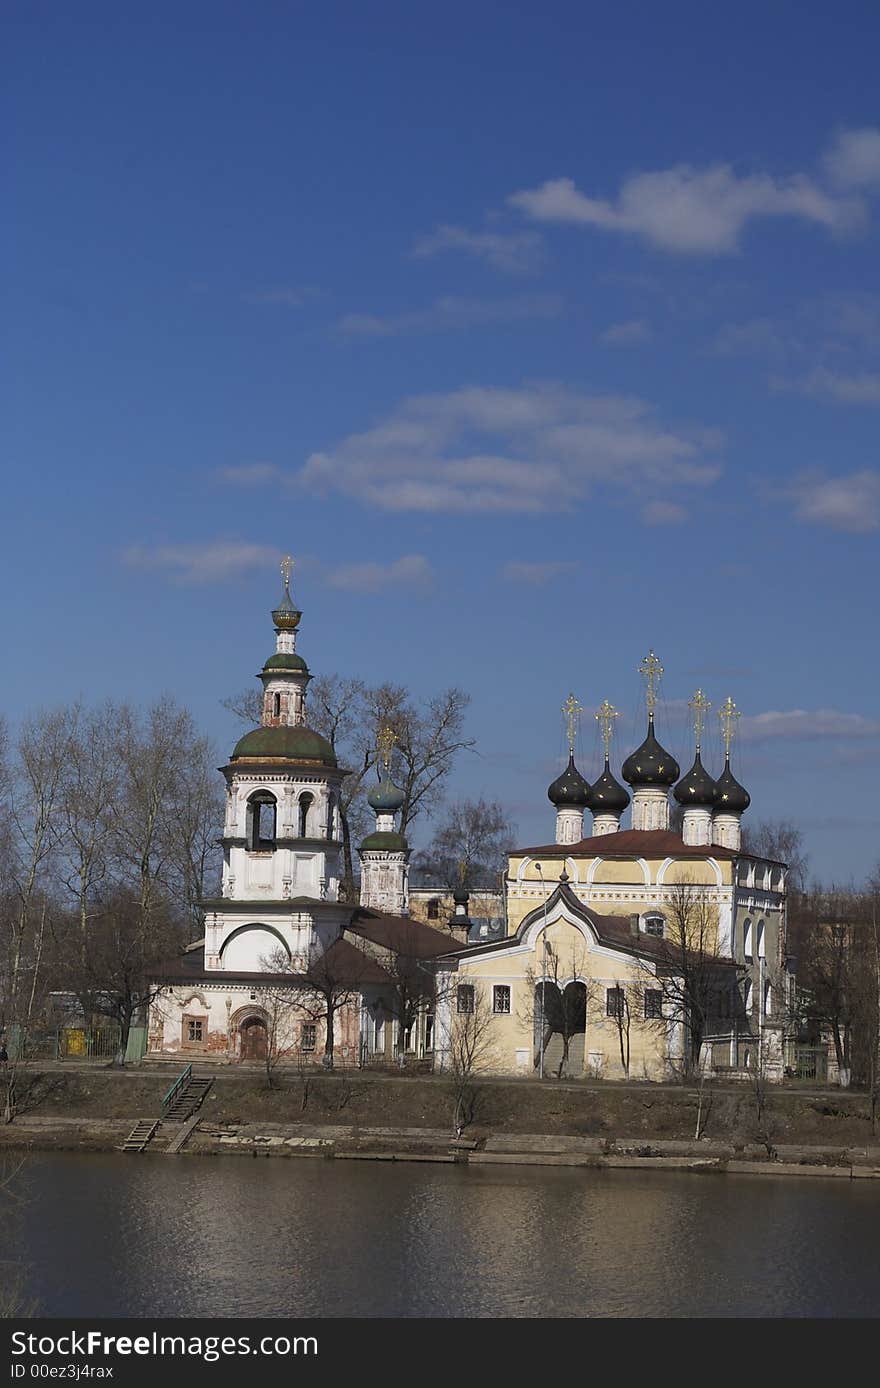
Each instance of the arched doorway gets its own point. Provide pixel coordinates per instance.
(254, 1039)
(560, 1024)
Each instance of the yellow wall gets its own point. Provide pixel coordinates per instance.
(511, 1037)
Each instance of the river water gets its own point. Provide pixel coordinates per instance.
(159, 1236)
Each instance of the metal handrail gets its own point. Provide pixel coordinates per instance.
(183, 1078)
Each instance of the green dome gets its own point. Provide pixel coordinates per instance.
(295, 744)
(386, 796)
(384, 843)
(285, 660)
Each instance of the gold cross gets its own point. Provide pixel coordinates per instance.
(652, 671)
(386, 740)
(286, 567)
(572, 710)
(605, 717)
(700, 706)
(728, 713)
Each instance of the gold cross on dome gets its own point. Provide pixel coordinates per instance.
(728, 713)
(286, 569)
(605, 717)
(386, 740)
(572, 710)
(652, 671)
(700, 706)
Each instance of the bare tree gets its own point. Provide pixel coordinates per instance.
(114, 974)
(470, 846)
(781, 841)
(468, 1048)
(686, 969)
(35, 830)
(822, 930)
(624, 1008)
(327, 988)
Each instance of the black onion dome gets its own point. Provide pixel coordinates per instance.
(651, 764)
(732, 797)
(570, 788)
(608, 795)
(697, 787)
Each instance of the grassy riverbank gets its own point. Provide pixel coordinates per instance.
(86, 1096)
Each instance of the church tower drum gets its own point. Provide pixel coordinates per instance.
(384, 854)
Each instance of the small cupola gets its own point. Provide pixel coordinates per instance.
(608, 799)
(650, 769)
(732, 799)
(697, 791)
(570, 793)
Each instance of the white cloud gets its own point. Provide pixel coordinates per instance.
(514, 253)
(208, 562)
(854, 159)
(537, 574)
(409, 570)
(626, 334)
(859, 389)
(687, 210)
(804, 723)
(537, 448)
(250, 474)
(849, 503)
(663, 513)
(450, 313)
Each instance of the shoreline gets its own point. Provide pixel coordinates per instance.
(353, 1143)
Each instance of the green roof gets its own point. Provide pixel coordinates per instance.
(384, 843)
(295, 744)
(285, 660)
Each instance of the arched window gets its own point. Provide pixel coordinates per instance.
(276, 705)
(768, 997)
(747, 998)
(261, 822)
(331, 816)
(760, 939)
(747, 938)
(434, 908)
(654, 924)
(305, 804)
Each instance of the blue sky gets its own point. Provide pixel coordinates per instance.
(538, 334)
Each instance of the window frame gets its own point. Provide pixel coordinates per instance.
(656, 996)
(505, 989)
(467, 993)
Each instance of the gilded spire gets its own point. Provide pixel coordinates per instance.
(652, 671)
(385, 743)
(728, 714)
(700, 706)
(572, 711)
(605, 716)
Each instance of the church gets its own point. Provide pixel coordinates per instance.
(625, 952)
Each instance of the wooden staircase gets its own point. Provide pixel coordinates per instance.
(182, 1101)
(141, 1135)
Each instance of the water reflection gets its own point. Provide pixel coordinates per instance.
(152, 1236)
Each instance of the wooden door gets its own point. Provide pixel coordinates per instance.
(254, 1041)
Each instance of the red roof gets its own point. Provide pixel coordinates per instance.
(635, 843)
